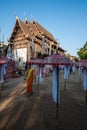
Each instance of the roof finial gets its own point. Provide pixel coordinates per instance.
(32, 17)
(3, 37)
(25, 16)
(15, 15)
(26, 19)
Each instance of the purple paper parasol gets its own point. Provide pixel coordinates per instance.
(57, 59)
(83, 63)
(36, 61)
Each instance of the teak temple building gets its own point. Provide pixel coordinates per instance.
(28, 39)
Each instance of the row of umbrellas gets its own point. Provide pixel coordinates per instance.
(82, 63)
(56, 60)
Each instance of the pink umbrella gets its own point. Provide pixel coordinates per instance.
(57, 60)
(54, 60)
(38, 62)
(83, 63)
(3, 60)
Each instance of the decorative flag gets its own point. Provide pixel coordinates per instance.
(66, 72)
(47, 47)
(33, 46)
(54, 87)
(80, 71)
(50, 47)
(2, 37)
(40, 75)
(73, 68)
(1, 73)
(51, 43)
(16, 55)
(57, 48)
(85, 80)
(9, 51)
(43, 42)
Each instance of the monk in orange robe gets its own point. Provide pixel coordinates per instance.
(30, 80)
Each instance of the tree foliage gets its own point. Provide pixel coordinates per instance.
(74, 58)
(82, 53)
(3, 49)
(68, 55)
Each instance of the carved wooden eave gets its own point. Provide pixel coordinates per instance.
(48, 36)
(43, 31)
(23, 27)
(31, 27)
(34, 32)
(61, 49)
(37, 34)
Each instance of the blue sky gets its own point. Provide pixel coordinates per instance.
(65, 19)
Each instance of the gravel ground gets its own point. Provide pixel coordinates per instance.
(38, 112)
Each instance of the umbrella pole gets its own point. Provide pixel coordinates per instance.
(0, 88)
(64, 84)
(86, 96)
(38, 79)
(57, 76)
(79, 79)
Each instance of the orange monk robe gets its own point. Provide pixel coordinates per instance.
(30, 80)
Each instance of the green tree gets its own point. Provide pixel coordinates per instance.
(74, 58)
(82, 53)
(68, 55)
